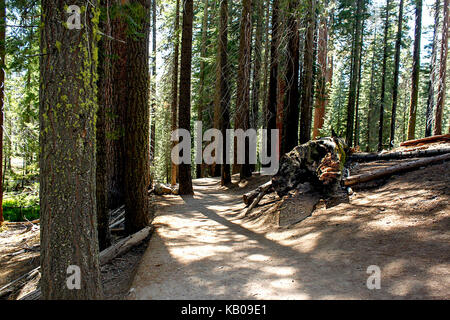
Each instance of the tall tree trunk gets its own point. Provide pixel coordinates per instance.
(308, 75)
(356, 52)
(222, 97)
(259, 13)
(432, 80)
(371, 94)
(67, 108)
(292, 97)
(201, 92)
(322, 77)
(242, 120)
(2, 95)
(440, 105)
(358, 92)
(153, 86)
(174, 106)
(137, 155)
(115, 125)
(267, 65)
(271, 107)
(398, 44)
(383, 77)
(415, 72)
(104, 106)
(184, 114)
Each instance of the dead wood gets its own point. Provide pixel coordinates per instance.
(439, 138)
(367, 157)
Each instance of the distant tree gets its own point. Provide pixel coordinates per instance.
(440, 105)
(174, 105)
(2, 95)
(415, 72)
(184, 109)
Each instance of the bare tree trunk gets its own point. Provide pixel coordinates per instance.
(356, 52)
(308, 75)
(184, 114)
(174, 107)
(202, 98)
(153, 87)
(67, 157)
(358, 92)
(292, 97)
(440, 105)
(322, 95)
(398, 44)
(415, 72)
(2, 95)
(383, 78)
(371, 94)
(137, 131)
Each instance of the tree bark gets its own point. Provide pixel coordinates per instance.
(415, 72)
(68, 105)
(137, 119)
(202, 98)
(398, 46)
(104, 106)
(153, 86)
(292, 96)
(174, 106)
(440, 105)
(356, 52)
(383, 78)
(242, 120)
(308, 75)
(2, 95)
(184, 114)
(371, 94)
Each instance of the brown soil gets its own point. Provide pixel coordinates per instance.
(116, 276)
(204, 248)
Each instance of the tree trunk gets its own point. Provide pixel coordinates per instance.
(358, 92)
(68, 106)
(271, 108)
(398, 45)
(174, 106)
(415, 72)
(153, 87)
(440, 105)
(2, 95)
(184, 114)
(222, 97)
(371, 94)
(308, 75)
(321, 95)
(201, 93)
(137, 155)
(292, 97)
(242, 120)
(383, 77)
(356, 52)
(104, 106)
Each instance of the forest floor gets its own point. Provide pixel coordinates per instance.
(19, 254)
(204, 248)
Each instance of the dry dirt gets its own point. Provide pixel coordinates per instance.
(204, 248)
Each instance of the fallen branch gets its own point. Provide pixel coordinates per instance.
(252, 195)
(264, 189)
(365, 177)
(445, 137)
(367, 157)
(124, 245)
(18, 283)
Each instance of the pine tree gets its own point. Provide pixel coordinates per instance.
(174, 105)
(67, 161)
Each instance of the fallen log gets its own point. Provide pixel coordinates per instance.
(124, 245)
(444, 137)
(249, 197)
(105, 256)
(367, 157)
(18, 283)
(365, 177)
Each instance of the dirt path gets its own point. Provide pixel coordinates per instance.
(203, 249)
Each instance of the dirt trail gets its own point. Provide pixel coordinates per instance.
(203, 249)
